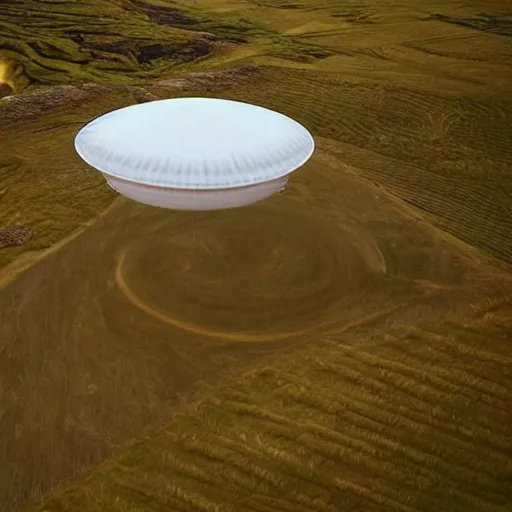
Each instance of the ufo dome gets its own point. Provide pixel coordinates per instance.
(172, 152)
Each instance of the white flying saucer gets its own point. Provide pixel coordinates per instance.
(195, 153)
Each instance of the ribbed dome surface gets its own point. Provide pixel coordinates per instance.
(195, 143)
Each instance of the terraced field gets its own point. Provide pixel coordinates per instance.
(343, 346)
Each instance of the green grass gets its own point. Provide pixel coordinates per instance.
(45, 186)
(109, 42)
(411, 419)
(430, 128)
(416, 97)
(43, 44)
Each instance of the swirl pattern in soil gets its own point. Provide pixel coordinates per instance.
(249, 277)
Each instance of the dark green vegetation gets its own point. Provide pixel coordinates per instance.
(311, 330)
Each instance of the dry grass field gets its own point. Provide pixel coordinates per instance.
(343, 346)
(396, 420)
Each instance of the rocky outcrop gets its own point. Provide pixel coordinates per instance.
(14, 235)
(5, 90)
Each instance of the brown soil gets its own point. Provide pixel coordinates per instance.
(5, 90)
(160, 14)
(145, 53)
(16, 109)
(132, 315)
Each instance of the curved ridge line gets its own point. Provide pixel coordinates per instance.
(188, 326)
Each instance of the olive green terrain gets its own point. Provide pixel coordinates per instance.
(421, 99)
(344, 346)
(395, 420)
